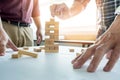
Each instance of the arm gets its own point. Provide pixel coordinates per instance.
(78, 6)
(38, 32)
(5, 41)
(36, 18)
(108, 43)
(63, 12)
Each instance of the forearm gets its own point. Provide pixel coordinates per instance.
(78, 6)
(115, 26)
(37, 22)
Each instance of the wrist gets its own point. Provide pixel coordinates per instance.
(117, 11)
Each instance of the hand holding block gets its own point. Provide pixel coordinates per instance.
(32, 54)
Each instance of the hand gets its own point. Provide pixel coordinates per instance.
(11, 45)
(6, 42)
(108, 43)
(3, 42)
(39, 36)
(60, 10)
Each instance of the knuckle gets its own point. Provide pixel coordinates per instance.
(100, 48)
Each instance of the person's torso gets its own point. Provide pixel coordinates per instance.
(107, 11)
(16, 10)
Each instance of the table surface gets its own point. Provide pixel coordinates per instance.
(52, 66)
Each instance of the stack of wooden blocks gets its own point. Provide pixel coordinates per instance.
(51, 35)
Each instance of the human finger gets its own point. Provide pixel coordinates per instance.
(81, 53)
(53, 9)
(76, 58)
(39, 39)
(108, 54)
(12, 45)
(81, 60)
(99, 53)
(113, 59)
(103, 38)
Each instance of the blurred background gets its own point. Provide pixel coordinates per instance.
(80, 27)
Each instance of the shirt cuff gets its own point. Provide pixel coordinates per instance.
(117, 11)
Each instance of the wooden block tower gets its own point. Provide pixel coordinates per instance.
(51, 35)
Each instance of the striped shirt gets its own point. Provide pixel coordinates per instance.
(107, 12)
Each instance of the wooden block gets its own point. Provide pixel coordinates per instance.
(51, 28)
(71, 50)
(56, 47)
(51, 22)
(32, 54)
(83, 50)
(78, 54)
(51, 48)
(48, 33)
(54, 34)
(49, 41)
(55, 37)
(37, 49)
(51, 51)
(26, 48)
(15, 56)
(42, 47)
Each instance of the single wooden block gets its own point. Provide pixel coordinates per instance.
(51, 51)
(51, 28)
(32, 54)
(49, 41)
(15, 56)
(37, 49)
(52, 48)
(48, 33)
(71, 50)
(42, 48)
(55, 37)
(26, 48)
(78, 54)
